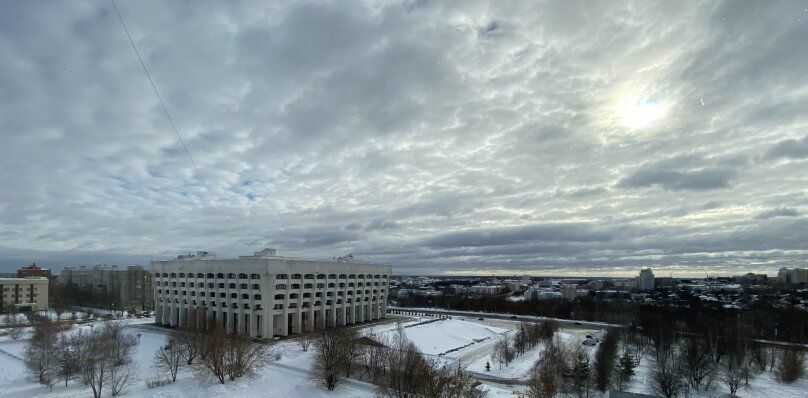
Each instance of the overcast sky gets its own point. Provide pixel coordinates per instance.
(436, 136)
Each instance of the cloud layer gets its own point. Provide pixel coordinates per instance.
(440, 137)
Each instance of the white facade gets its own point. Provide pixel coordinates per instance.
(265, 295)
(645, 281)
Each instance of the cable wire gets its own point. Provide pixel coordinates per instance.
(165, 108)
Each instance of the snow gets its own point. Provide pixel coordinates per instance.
(439, 338)
(287, 377)
(287, 373)
(519, 368)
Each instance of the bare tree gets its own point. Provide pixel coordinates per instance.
(106, 358)
(189, 341)
(790, 366)
(330, 357)
(68, 361)
(242, 355)
(665, 378)
(503, 351)
(167, 357)
(14, 327)
(40, 352)
(695, 363)
(543, 382)
(305, 342)
(213, 357)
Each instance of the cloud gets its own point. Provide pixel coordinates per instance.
(435, 136)
(779, 212)
(682, 173)
(790, 148)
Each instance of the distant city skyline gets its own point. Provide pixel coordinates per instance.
(562, 138)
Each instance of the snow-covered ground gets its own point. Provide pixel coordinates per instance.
(763, 385)
(287, 373)
(448, 337)
(520, 367)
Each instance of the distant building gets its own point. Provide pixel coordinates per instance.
(486, 290)
(792, 276)
(569, 292)
(128, 288)
(645, 281)
(24, 294)
(33, 270)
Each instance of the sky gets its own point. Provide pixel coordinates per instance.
(442, 137)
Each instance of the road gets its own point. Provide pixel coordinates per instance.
(565, 323)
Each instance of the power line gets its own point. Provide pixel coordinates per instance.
(165, 109)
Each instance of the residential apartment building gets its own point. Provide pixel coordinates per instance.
(126, 288)
(24, 294)
(792, 276)
(645, 282)
(266, 295)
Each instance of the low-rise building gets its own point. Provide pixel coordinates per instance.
(33, 270)
(24, 294)
(111, 286)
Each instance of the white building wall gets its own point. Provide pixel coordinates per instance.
(266, 297)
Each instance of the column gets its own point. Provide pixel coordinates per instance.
(310, 319)
(229, 321)
(253, 325)
(182, 319)
(266, 324)
(285, 323)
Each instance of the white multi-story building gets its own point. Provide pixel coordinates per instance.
(265, 295)
(645, 281)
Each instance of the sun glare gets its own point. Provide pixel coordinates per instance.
(638, 113)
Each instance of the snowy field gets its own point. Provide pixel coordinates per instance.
(447, 337)
(520, 367)
(287, 374)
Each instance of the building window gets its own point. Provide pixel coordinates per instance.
(255, 276)
(293, 296)
(231, 276)
(210, 275)
(278, 297)
(233, 295)
(220, 275)
(200, 275)
(295, 286)
(182, 274)
(307, 286)
(242, 276)
(278, 307)
(282, 276)
(232, 285)
(280, 287)
(309, 276)
(242, 286)
(221, 285)
(320, 276)
(245, 296)
(256, 286)
(257, 297)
